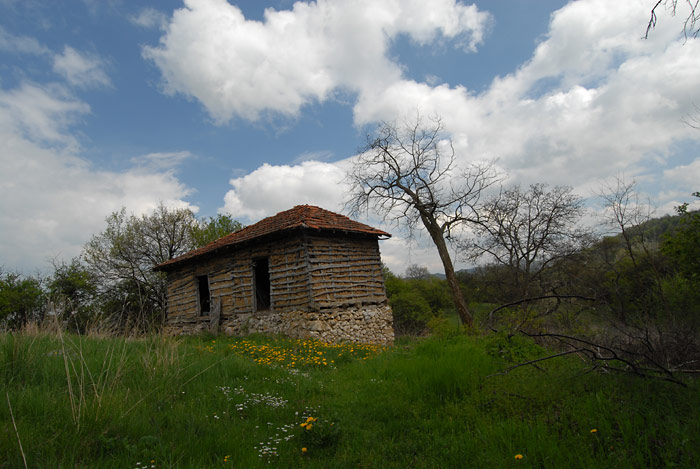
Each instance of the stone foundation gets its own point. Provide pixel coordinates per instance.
(368, 324)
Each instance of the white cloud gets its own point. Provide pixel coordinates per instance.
(271, 189)
(321, 155)
(81, 69)
(51, 199)
(398, 253)
(238, 67)
(161, 161)
(41, 114)
(593, 100)
(21, 44)
(150, 18)
(685, 176)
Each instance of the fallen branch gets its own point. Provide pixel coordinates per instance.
(537, 298)
(597, 352)
(507, 370)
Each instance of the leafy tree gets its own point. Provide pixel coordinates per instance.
(411, 312)
(409, 175)
(683, 246)
(124, 254)
(73, 292)
(415, 301)
(682, 285)
(121, 259)
(21, 300)
(213, 228)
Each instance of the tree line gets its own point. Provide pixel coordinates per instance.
(111, 284)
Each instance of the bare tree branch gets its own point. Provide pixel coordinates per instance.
(691, 24)
(409, 175)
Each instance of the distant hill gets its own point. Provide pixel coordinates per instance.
(656, 229)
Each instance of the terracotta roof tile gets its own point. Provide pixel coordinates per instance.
(301, 216)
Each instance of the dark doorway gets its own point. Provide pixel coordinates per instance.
(204, 297)
(262, 283)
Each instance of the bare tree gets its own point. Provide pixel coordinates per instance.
(409, 175)
(529, 233)
(691, 25)
(418, 272)
(626, 214)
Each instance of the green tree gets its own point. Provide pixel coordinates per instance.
(411, 311)
(122, 257)
(683, 245)
(416, 300)
(212, 228)
(21, 300)
(73, 292)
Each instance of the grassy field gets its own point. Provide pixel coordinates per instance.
(70, 401)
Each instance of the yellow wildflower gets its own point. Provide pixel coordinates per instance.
(304, 450)
(594, 430)
(518, 456)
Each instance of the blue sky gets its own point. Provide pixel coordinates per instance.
(249, 108)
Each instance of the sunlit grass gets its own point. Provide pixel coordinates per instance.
(276, 402)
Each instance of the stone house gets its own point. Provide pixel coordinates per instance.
(305, 272)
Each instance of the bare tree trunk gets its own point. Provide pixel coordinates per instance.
(439, 240)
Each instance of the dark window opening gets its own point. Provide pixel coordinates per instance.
(261, 269)
(204, 298)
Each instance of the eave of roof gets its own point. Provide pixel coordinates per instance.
(306, 217)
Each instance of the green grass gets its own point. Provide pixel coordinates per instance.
(227, 402)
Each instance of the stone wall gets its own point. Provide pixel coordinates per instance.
(371, 324)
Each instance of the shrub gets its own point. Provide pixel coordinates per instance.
(21, 300)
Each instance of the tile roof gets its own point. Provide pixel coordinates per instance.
(301, 216)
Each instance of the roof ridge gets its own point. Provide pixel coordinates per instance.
(298, 217)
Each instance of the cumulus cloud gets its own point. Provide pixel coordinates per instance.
(593, 100)
(51, 199)
(81, 69)
(271, 189)
(242, 68)
(685, 175)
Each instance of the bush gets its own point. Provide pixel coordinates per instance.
(415, 301)
(21, 300)
(411, 312)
